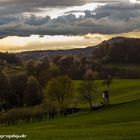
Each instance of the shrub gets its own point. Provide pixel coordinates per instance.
(26, 115)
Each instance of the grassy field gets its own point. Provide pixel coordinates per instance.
(120, 91)
(121, 121)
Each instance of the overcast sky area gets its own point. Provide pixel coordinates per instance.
(68, 17)
(61, 17)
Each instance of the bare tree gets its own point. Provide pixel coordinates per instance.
(108, 81)
(87, 88)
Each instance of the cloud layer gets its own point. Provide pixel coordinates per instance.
(114, 17)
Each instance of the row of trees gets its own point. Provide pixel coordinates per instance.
(19, 90)
(23, 90)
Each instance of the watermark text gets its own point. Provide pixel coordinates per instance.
(13, 136)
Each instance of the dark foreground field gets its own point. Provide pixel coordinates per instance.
(121, 121)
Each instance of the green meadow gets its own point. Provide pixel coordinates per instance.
(120, 121)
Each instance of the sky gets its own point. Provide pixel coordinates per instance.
(64, 24)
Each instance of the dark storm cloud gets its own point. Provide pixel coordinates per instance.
(115, 17)
(8, 7)
(20, 6)
(33, 20)
(118, 11)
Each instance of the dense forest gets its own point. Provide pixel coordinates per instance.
(119, 50)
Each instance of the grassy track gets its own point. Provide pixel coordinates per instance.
(121, 121)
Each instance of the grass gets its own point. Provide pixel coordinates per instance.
(121, 121)
(123, 90)
(120, 90)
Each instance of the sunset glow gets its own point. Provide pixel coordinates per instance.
(36, 42)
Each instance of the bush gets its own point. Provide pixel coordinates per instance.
(52, 109)
(24, 114)
(10, 117)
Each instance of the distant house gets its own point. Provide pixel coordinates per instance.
(105, 95)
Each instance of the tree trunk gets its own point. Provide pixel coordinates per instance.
(108, 86)
(90, 103)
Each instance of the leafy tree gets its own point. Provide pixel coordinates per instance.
(4, 90)
(61, 90)
(32, 93)
(18, 84)
(90, 74)
(41, 66)
(38, 68)
(30, 67)
(53, 71)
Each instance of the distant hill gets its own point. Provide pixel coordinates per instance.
(115, 50)
(52, 53)
(119, 50)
